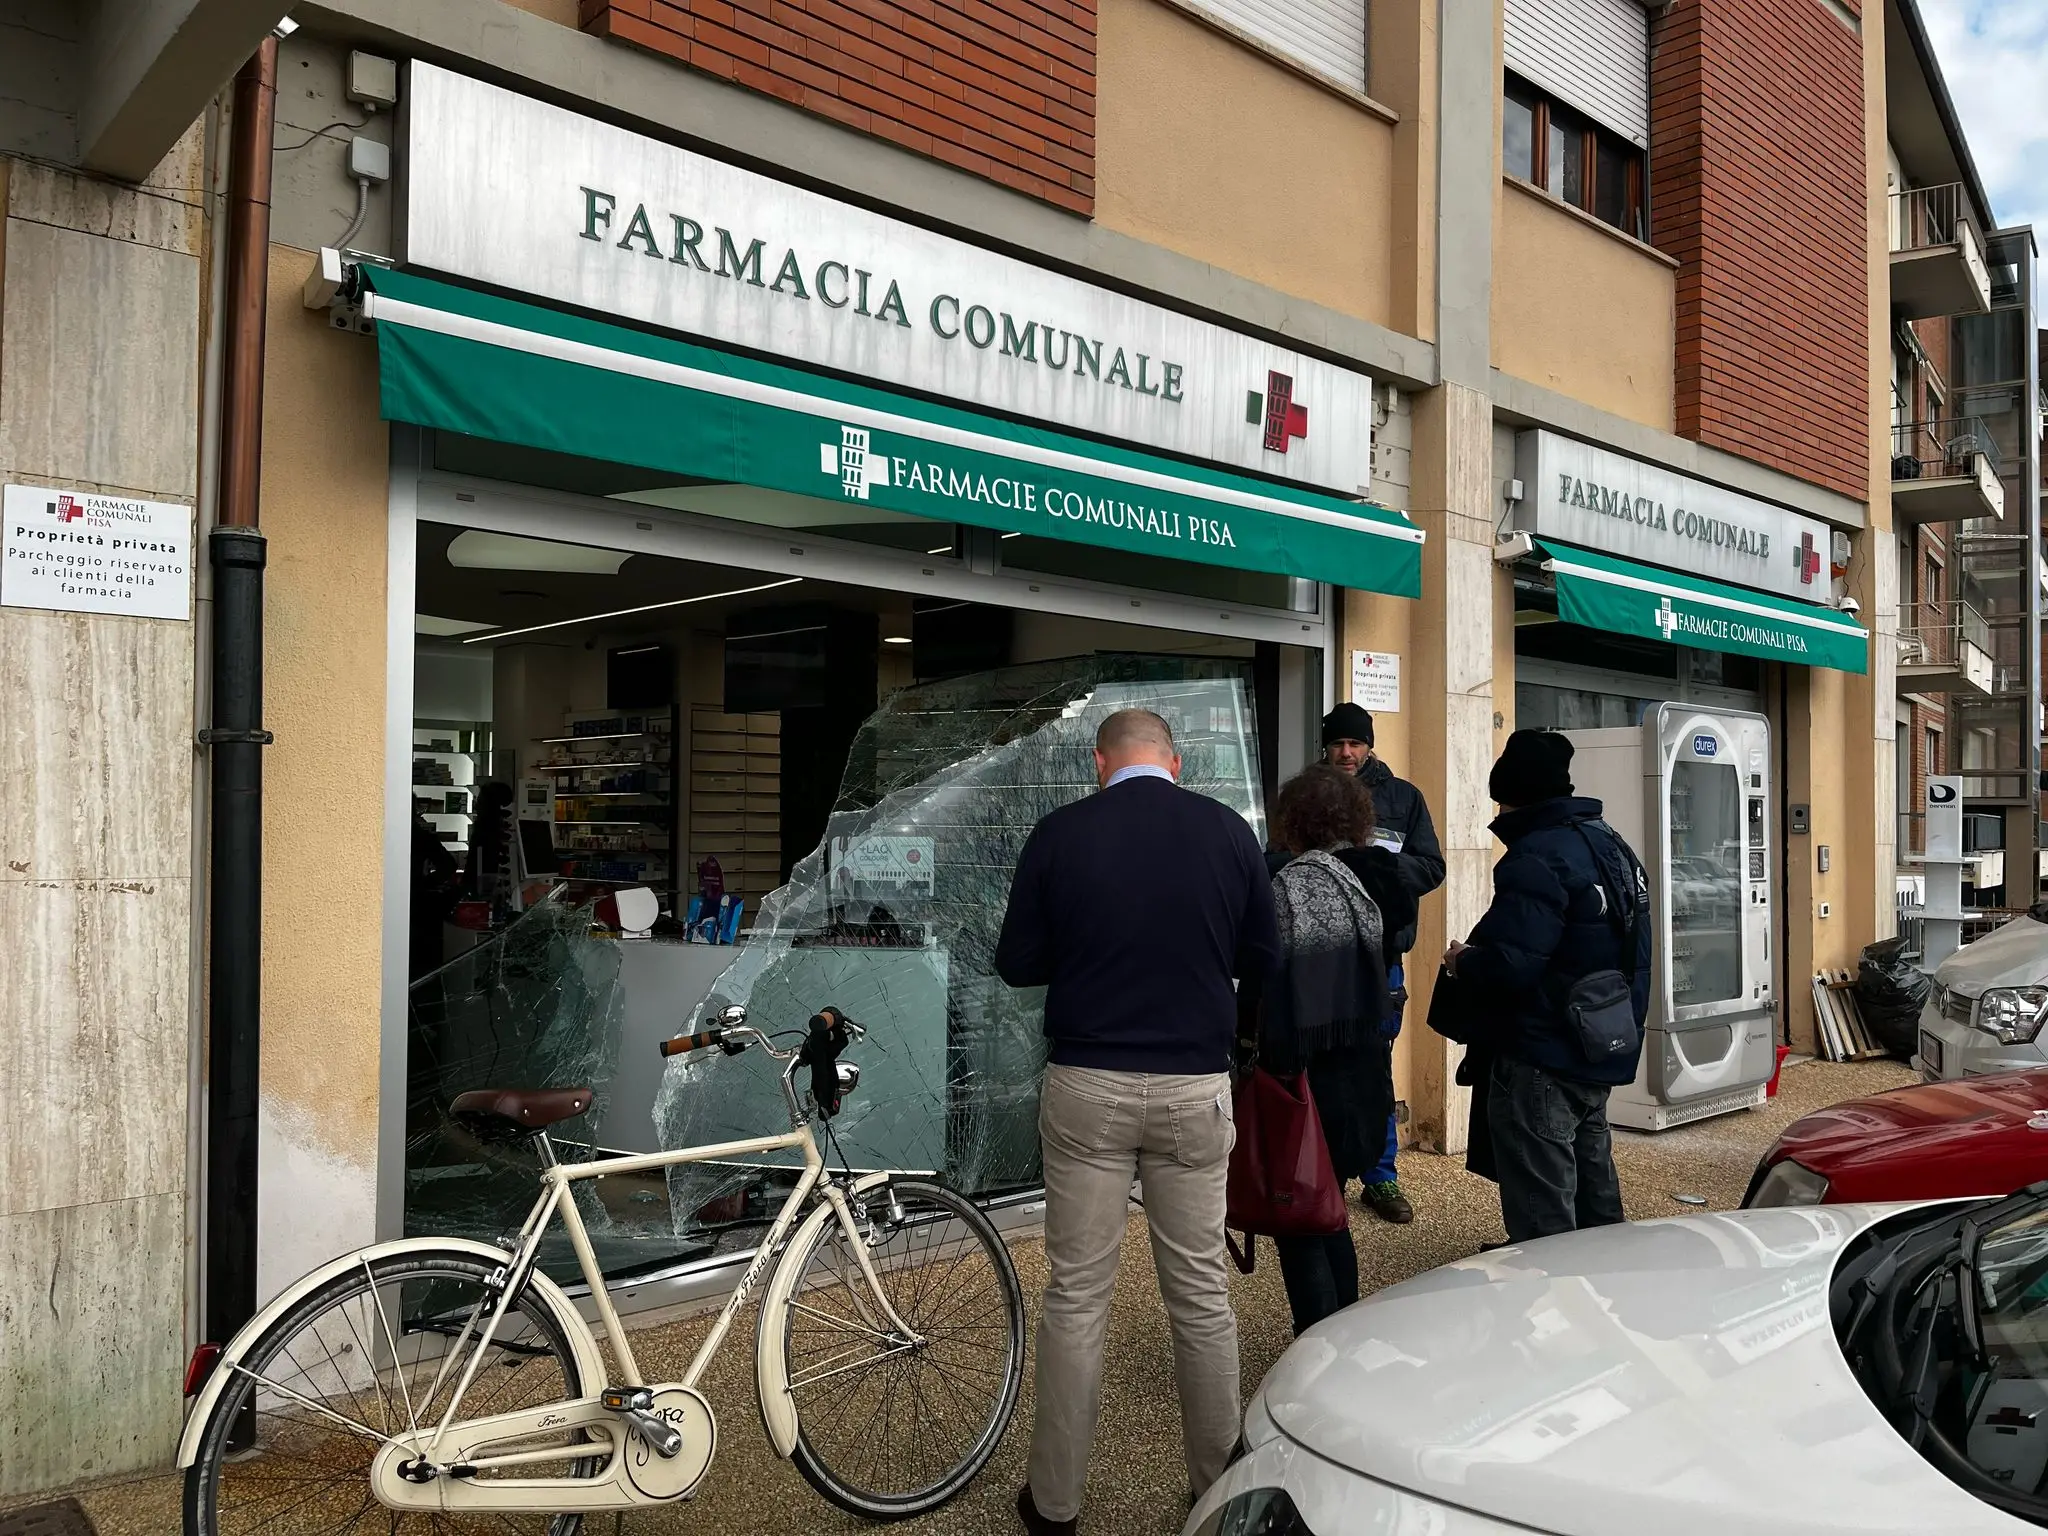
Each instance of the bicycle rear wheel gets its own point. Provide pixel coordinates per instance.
(291, 1440)
(887, 1428)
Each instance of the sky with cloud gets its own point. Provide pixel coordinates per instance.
(1994, 54)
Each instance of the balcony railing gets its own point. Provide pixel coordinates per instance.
(1931, 450)
(1934, 634)
(1925, 217)
(1937, 260)
(1945, 471)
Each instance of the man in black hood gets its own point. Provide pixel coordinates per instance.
(1571, 906)
(1403, 827)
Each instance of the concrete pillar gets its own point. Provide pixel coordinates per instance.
(1451, 734)
(1453, 500)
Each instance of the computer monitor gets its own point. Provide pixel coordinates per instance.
(537, 847)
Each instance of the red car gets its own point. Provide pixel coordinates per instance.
(1932, 1141)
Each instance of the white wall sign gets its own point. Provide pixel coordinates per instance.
(1606, 501)
(534, 199)
(1944, 816)
(80, 552)
(1376, 682)
(905, 865)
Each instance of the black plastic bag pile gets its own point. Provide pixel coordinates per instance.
(1890, 990)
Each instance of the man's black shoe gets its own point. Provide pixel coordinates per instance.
(1389, 1203)
(1036, 1524)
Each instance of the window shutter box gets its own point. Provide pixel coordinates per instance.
(1590, 54)
(1327, 36)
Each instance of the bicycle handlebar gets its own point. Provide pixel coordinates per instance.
(734, 1038)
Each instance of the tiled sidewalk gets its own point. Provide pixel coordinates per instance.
(1139, 1485)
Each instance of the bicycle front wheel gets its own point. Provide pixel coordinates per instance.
(891, 1424)
(373, 1353)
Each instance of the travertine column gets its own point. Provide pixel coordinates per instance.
(1452, 731)
(100, 293)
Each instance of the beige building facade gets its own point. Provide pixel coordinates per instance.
(1492, 265)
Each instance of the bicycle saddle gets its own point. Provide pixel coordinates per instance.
(523, 1109)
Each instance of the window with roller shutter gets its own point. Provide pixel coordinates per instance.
(1326, 36)
(1577, 109)
(1592, 55)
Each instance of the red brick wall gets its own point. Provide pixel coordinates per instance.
(1757, 188)
(1002, 88)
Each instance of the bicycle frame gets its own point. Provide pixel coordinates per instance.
(557, 1198)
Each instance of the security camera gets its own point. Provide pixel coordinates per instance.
(1850, 605)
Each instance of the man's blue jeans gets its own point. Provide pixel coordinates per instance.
(1386, 1173)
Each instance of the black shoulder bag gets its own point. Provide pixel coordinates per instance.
(1601, 1005)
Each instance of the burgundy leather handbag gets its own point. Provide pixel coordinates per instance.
(1281, 1182)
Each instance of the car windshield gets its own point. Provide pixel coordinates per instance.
(1944, 1318)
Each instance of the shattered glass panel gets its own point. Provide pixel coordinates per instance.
(894, 921)
(538, 1005)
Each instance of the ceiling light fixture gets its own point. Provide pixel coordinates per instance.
(620, 613)
(895, 639)
(476, 549)
(428, 624)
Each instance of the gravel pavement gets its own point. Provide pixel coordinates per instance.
(1138, 1484)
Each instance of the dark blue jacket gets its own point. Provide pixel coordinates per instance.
(1136, 908)
(1549, 927)
(1399, 809)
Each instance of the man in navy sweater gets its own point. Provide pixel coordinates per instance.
(1136, 909)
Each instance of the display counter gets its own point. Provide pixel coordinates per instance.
(664, 980)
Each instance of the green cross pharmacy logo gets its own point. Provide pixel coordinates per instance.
(1667, 618)
(854, 463)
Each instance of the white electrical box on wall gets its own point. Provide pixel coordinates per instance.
(372, 80)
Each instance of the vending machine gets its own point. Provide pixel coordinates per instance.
(1691, 791)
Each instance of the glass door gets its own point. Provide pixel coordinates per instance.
(1705, 875)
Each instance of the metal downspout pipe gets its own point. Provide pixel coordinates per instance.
(236, 737)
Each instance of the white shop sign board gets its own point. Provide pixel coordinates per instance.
(80, 552)
(531, 198)
(1600, 500)
(1376, 682)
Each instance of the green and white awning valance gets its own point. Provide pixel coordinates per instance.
(1626, 598)
(494, 368)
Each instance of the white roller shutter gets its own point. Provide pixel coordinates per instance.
(1590, 54)
(1327, 36)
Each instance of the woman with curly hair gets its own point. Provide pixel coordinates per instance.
(1321, 1010)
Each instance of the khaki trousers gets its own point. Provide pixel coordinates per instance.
(1173, 1134)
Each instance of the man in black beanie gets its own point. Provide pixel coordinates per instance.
(1403, 827)
(1560, 967)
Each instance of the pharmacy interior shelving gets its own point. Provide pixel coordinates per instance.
(450, 758)
(614, 796)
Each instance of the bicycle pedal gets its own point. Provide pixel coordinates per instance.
(662, 1439)
(627, 1399)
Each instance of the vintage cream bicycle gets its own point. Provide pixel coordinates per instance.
(444, 1385)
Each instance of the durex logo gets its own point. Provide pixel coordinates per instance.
(1705, 746)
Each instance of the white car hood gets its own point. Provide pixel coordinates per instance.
(2014, 954)
(1674, 1377)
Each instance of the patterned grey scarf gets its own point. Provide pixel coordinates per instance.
(1330, 943)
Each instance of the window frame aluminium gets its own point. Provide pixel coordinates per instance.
(1545, 112)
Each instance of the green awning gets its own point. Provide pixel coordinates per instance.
(1625, 598)
(494, 368)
